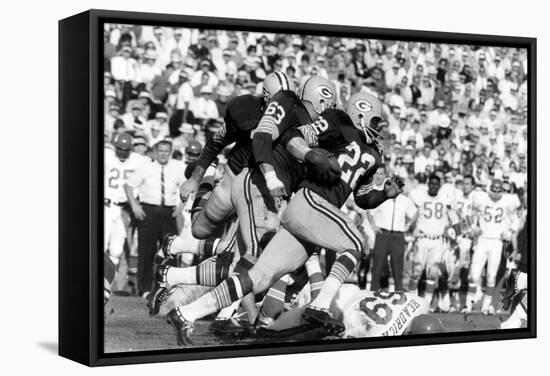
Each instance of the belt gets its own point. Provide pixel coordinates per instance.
(159, 206)
(391, 231)
(430, 237)
(107, 202)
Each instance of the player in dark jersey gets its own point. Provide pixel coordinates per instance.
(256, 202)
(311, 219)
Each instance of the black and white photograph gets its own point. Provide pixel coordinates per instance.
(268, 188)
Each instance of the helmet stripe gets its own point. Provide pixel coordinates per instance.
(280, 80)
(304, 87)
(286, 80)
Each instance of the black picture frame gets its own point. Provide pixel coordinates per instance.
(80, 160)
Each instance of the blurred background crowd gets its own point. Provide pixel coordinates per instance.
(458, 109)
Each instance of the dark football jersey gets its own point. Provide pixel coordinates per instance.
(334, 131)
(283, 114)
(242, 115)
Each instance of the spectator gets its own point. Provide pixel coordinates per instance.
(157, 183)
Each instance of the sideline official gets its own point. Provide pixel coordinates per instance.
(157, 184)
(391, 219)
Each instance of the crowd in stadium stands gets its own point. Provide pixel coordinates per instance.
(457, 109)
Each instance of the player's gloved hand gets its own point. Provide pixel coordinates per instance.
(393, 187)
(276, 188)
(189, 187)
(324, 165)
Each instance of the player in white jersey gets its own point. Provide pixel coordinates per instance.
(119, 165)
(364, 313)
(436, 214)
(497, 221)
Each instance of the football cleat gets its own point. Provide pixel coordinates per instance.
(163, 255)
(234, 327)
(183, 327)
(263, 321)
(489, 310)
(323, 317)
(159, 290)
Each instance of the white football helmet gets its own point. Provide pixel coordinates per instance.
(275, 82)
(365, 110)
(319, 92)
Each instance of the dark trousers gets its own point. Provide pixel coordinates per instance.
(392, 243)
(157, 223)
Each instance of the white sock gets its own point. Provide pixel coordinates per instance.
(184, 245)
(186, 276)
(521, 282)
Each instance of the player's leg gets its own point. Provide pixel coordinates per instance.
(109, 271)
(117, 236)
(216, 210)
(479, 258)
(210, 272)
(316, 221)
(313, 268)
(420, 254)
(435, 250)
(494, 253)
(282, 255)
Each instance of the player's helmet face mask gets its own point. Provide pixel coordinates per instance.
(123, 145)
(365, 110)
(495, 190)
(275, 82)
(319, 92)
(193, 152)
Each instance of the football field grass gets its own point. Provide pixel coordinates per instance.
(128, 327)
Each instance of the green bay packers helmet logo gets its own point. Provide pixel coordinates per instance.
(363, 105)
(326, 92)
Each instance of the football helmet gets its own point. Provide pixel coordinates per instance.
(495, 190)
(123, 145)
(426, 324)
(366, 112)
(319, 92)
(275, 82)
(193, 151)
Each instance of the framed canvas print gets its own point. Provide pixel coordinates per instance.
(260, 187)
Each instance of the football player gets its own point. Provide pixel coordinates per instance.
(242, 116)
(119, 165)
(515, 299)
(436, 219)
(497, 221)
(312, 216)
(363, 313)
(465, 240)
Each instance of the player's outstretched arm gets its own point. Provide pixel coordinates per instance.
(368, 198)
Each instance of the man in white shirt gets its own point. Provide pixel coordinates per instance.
(204, 108)
(157, 183)
(390, 221)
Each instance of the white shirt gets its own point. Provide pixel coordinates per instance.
(391, 214)
(147, 179)
(185, 95)
(204, 108)
(123, 69)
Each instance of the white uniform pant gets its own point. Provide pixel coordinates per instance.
(486, 251)
(115, 233)
(431, 254)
